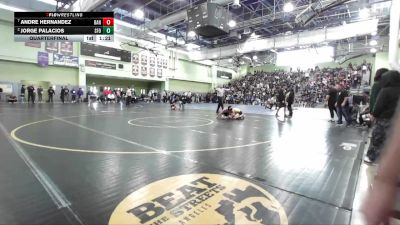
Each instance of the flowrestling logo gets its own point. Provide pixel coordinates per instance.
(199, 199)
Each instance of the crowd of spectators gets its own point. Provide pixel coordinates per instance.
(310, 86)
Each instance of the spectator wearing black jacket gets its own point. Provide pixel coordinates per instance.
(331, 101)
(343, 106)
(50, 93)
(31, 94)
(290, 101)
(62, 94)
(385, 107)
(280, 101)
(22, 95)
(40, 93)
(376, 87)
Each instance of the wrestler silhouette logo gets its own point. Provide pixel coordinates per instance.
(206, 199)
(248, 206)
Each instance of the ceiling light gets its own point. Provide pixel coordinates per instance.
(289, 7)
(191, 46)
(50, 2)
(254, 35)
(373, 50)
(232, 23)
(191, 34)
(364, 13)
(139, 14)
(180, 42)
(11, 8)
(255, 57)
(273, 50)
(163, 42)
(373, 42)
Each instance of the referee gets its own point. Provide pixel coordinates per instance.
(220, 97)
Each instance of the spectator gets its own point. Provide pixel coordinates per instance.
(80, 94)
(50, 93)
(376, 87)
(40, 93)
(331, 101)
(290, 101)
(22, 95)
(342, 106)
(383, 112)
(31, 94)
(379, 204)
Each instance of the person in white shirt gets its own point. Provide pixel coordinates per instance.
(220, 97)
(128, 96)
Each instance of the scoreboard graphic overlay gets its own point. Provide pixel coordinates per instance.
(63, 26)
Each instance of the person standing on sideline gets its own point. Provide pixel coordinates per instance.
(128, 97)
(40, 93)
(290, 101)
(331, 101)
(50, 93)
(73, 94)
(80, 94)
(220, 97)
(376, 87)
(62, 94)
(31, 94)
(66, 94)
(380, 202)
(383, 112)
(22, 95)
(342, 106)
(280, 101)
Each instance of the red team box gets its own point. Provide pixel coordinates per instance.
(108, 22)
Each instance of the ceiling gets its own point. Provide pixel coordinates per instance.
(264, 17)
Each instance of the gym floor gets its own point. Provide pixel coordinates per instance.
(105, 164)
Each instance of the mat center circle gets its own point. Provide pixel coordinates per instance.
(170, 122)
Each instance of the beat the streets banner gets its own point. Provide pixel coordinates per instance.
(65, 60)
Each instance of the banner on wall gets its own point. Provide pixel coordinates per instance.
(144, 71)
(7, 88)
(65, 60)
(51, 47)
(102, 65)
(159, 62)
(224, 75)
(143, 60)
(34, 44)
(159, 72)
(165, 63)
(66, 48)
(135, 70)
(152, 72)
(152, 61)
(135, 58)
(43, 59)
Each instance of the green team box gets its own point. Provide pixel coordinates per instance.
(108, 30)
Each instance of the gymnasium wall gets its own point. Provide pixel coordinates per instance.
(192, 71)
(118, 83)
(23, 65)
(358, 60)
(19, 62)
(16, 71)
(183, 85)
